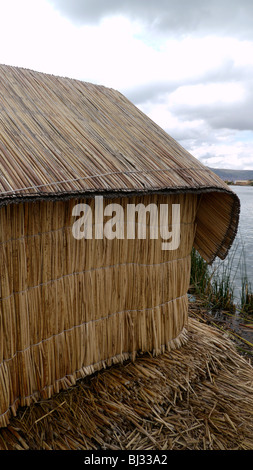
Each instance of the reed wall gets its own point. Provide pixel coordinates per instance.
(70, 307)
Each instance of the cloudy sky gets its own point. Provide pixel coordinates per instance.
(188, 64)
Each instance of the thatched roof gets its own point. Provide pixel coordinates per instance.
(61, 137)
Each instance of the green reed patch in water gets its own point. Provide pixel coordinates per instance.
(215, 284)
(246, 297)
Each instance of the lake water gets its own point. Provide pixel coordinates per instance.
(240, 256)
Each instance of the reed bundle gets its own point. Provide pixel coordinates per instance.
(198, 397)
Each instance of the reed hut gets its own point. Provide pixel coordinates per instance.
(73, 305)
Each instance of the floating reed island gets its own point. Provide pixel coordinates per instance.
(71, 306)
(197, 397)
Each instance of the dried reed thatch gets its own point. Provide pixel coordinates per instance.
(198, 397)
(61, 137)
(86, 304)
(69, 308)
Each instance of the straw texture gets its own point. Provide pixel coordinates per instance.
(61, 137)
(198, 397)
(70, 307)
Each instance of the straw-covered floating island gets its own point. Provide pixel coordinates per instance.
(73, 305)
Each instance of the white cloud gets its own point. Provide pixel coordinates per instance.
(32, 35)
(207, 94)
(234, 155)
(176, 127)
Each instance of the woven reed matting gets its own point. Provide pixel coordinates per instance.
(70, 307)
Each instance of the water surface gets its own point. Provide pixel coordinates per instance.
(240, 258)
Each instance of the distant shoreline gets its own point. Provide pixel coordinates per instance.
(235, 177)
(239, 183)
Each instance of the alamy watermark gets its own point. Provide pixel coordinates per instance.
(123, 222)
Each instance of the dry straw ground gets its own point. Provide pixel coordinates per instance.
(197, 397)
